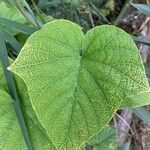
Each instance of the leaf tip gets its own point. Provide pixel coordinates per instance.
(9, 68)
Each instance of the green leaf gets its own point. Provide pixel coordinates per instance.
(12, 14)
(12, 90)
(12, 41)
(147, 70)
(105, 140)
(22, 38)
(18, 26)
(143, 114)
(145, 9)
(141, 39)
(125, 146)
(76, 82)
(10, 133)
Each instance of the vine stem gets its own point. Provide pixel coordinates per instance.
(12, 89)
(123, 124)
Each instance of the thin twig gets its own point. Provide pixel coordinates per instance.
(123, 123)
(30, 17)
(122, 13)
(91, 18)
(99, 13)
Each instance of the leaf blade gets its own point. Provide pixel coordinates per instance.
(76, 75)
(12, 41)
(9, 121)
(105, 140)
(21, 27)
(143, 114)
(12, 90)
(145, 9)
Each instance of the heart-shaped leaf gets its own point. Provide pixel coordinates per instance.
(76, 82)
